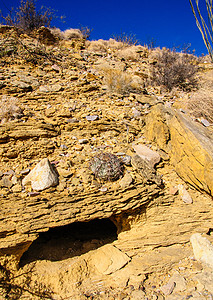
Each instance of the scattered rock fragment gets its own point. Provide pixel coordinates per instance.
(92, 118)
(204, 122)
(146, 171)
(185, 196)
(109, 259)
(42, 176)
(126, 181)
(6, 182)
(168, 288)
(146, 153)
(203, 249)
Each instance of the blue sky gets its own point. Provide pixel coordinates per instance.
(169, 22)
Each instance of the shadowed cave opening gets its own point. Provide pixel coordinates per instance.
(70, 240)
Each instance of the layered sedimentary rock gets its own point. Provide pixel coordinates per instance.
(189, 144)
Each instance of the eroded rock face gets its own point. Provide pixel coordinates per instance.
(188, 143)
(21, 223)
(192, 152)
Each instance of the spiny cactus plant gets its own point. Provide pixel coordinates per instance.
(106, 166)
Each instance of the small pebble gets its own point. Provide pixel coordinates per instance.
(205, 122)
(103, 189)
(83, 141)
(126, 160)
(33, 194)
(92, 118)
(63, 147)
(25, 172)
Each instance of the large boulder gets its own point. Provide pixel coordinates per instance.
(189, 144)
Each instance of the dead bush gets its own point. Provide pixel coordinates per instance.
(27, 17)
(9, 110)
(71, 33)
(121, 82)
(200, 103)
(172, 69)
(126, 38)
(98, 46)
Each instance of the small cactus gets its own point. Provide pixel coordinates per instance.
(106, 166)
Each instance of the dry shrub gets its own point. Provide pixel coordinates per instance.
(57, 33)
(9, 110)
(68, 34)
(27, 17)
(172, 69)
(114, 45)
(98, 46)
(71, 33)
(121, 82)
(201, 102)
(127, 39)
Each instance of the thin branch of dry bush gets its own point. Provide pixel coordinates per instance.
(172, 69)
(27, 17)
(200, 103)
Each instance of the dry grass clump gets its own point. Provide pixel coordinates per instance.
(9, 110)
(171, 69)
(71, 33)
(68, 34)
(121, 82)
(98, 46)
(201, 102)
(114, 45)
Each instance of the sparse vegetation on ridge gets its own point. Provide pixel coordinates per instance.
(173, 69)
(27, 18)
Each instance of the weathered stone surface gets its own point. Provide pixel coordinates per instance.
(192, 152)
(26, 131)
(42, 176)
(145, 169)
(203, 249)
(156, 129)
(21, 223)
(109, 259)
(189, 145)
(146, 153)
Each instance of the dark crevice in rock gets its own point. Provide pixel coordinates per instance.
(64, 242)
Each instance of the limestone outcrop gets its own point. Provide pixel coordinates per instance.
(188, 143)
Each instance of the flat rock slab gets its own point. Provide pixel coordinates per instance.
(109, 259)
(188, 143)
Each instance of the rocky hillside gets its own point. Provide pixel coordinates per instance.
(104, 176)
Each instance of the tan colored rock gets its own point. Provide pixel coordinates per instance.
(189, 145)
(203, 249)
(148, 154)
(192, 152)
(126, 181)
(109, 259)
(42, 176)
(185, 196)
(156, 129)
